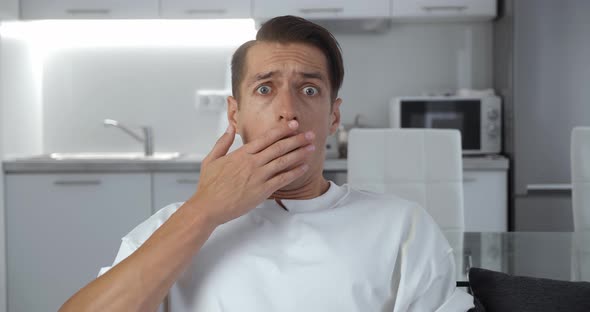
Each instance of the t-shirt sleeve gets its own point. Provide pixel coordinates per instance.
(441, 294)
(427, 279)
(131, 242)
(125, 251)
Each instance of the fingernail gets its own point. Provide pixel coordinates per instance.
(229, 129)
(311, 148)
(309, 135)
(293, 124)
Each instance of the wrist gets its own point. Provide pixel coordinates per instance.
(200, 213)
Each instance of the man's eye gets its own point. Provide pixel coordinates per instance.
(263, 90)
(310, 91)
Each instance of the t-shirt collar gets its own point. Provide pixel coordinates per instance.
(325, 201)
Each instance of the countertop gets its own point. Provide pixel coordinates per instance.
(186, 163)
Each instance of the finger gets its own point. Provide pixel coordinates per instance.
(283, 179)
(271, 137)
(287, 162)
(284, 146)
(222, 145)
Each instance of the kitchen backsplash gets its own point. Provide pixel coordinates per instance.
(156, 86)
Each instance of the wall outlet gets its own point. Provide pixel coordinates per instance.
(211, 100)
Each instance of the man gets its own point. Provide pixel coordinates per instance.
(264, 230)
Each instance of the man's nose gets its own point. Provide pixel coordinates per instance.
(287, 106)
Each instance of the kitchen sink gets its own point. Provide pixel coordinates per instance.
(109, 156)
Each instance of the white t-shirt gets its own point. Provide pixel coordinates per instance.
(345, 250)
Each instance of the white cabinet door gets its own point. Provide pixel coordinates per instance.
(62, 228)
(8, 10)
(322, 9)
(444, 9)
(205, 9)
(173, 187)
(485, 200)
(85, 9)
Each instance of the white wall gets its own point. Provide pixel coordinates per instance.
(409, 60)
(151, 86)
(19, 91)
(155, 85)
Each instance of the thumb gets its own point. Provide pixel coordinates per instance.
(223, 143)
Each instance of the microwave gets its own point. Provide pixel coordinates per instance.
(479, 119)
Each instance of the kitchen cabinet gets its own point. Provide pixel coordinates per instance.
(205, 9)
(88, 9)
(173, 187)
(8, 10)
(324, 9)
(485, 191)
(62, 228)
(485, 200)
(440, 10)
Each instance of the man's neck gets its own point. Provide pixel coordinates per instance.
(311, 188)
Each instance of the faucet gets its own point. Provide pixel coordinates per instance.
(147, 138)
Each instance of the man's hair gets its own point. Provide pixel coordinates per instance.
(292, 29)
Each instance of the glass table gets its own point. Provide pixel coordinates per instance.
(554, 255)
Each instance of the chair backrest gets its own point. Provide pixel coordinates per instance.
(420, 165)
(580, 153)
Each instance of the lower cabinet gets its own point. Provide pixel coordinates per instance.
(9, 10)
(173, 187)
(485, 194)
(485, 198)
(62, 228)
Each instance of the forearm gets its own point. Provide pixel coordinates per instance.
(141, 281)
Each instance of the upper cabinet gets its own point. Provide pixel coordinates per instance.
(403, 10)
(203, 9)
(8, 10)
(88, 9)
(323, 9)
(441, 10)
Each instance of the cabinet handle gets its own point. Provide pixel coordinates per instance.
(444, 7)
(76, 182)
(320, 10)
(468, 180)
(88, 11)
(187, 181)
(205, 11)
(548, 188)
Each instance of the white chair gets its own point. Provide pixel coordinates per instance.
(580, 159)
(420, 165)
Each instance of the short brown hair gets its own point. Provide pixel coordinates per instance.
(293, 29)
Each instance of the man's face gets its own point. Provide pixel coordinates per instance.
(284, 82)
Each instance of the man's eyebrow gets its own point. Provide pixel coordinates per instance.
(261, 76)
(309, 75)
(312, 75)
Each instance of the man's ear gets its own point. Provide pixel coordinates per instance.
(335, 116)
(232, 112)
